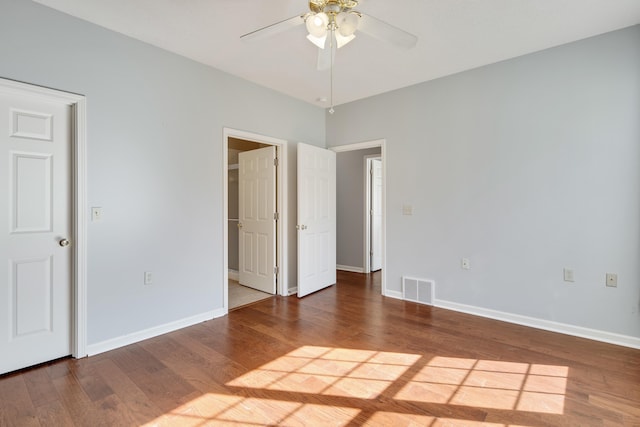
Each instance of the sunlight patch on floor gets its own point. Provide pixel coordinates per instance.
(221, 409)
(489, 384)
(330, 371)
(397, 419)
(283, 392)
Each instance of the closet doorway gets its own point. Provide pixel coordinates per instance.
(254, 225)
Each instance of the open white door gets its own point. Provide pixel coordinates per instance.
(257, 222)
(316, 219)
(35, 224)
(376, 214)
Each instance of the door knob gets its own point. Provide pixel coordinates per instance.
(64, 243)
(239, 225)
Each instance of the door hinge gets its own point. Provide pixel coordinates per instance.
(275, 270)
(276, 162)
(276, 216)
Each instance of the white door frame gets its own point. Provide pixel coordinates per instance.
(361, 146)
(281, 206)
(78, 105)
(367, 210)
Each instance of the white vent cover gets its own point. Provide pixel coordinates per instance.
(418, 290)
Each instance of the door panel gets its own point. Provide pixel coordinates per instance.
(316, 219)
(35, 297)
(257, 206)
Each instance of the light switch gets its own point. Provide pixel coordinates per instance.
(96, 214)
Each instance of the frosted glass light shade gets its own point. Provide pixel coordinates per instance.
(317, 24)
(347, 23)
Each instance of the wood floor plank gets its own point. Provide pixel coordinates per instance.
(54, 414)
(16, 407)
(139, 406)
(40, 387)
(343, 356)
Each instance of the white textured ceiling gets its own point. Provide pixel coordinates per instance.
(453, 36)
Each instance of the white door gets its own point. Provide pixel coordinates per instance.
(257, 222)
(316, 219)
(35, 224)
(376, 214)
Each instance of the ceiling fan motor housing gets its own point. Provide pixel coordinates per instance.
(332, 7)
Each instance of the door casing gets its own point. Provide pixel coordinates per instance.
(78, 106)
(282, 287)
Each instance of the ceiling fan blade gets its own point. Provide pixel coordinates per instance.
(386, 32)
(273, 29)
(327, 55)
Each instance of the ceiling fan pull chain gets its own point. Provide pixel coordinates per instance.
(331, 110)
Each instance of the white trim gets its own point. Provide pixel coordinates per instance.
(358, 146)
(349, 268)
(547, 325)
(234, 275)
(282, 207)
(382, 143)
(394, 294)
(292, 291)
(155, 331)
(78, 106)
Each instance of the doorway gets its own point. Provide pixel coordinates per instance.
(354, 209)
(243, 148)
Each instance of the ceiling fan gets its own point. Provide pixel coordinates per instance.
(332, 24)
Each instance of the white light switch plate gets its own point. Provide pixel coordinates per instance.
(96, 214)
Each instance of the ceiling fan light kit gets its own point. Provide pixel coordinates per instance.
(332, 24)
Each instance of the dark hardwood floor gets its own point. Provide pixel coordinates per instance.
(342, 356)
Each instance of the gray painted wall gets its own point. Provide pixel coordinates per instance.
(525, 167)
(155, 123)
(350, 201)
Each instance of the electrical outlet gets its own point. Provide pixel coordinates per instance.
(612, 280)
(465, 264)
(568, 275)
(148, 277)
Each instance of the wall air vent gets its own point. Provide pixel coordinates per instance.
(418, 290)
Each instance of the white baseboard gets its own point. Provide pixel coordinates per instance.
(393, 294)
(234, 275)
(350, 268)
(547, 325)
(112, 344)
(293, 291)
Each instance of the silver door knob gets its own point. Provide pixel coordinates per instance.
(64, 243)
